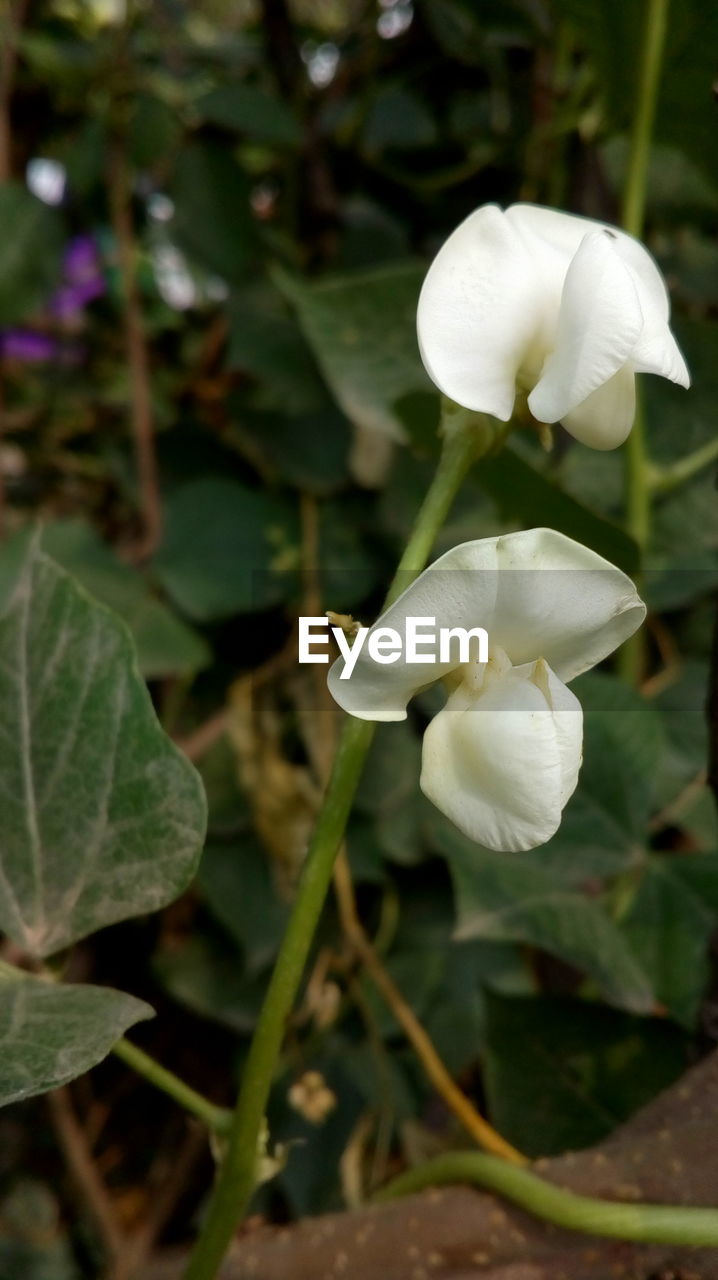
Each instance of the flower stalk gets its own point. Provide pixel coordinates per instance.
(638, 488)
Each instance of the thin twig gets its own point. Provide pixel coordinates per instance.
(83, 1171)
(119, 192)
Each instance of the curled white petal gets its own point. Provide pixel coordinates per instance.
(502, 766)
(480, 307)
(604, 419)
(537, 593)
(599, 323)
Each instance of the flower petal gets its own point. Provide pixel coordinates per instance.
(462, 596)
(499, 766)
(537, 593)
(568, 722)
(480, 308)
(659, 353)
(561, 601)
(599, 324)
(604, 419)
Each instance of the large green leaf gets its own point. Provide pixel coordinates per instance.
(165, 644)
(262, 116)
(224, 549)
(213, 220)
(362, 329)
(563, 1073)
(30, 247)
(604, 825)
(50, 1034)
(237, 884)
(669, 926)
(513, 898)
(103, 818)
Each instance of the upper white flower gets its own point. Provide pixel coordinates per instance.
(563, 307)
(502, 756)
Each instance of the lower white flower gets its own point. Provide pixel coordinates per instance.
(502, 757)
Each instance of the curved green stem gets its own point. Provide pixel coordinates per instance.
(638, 492)
(216, 1118)
(664, 480)
(465, 438)
(645, 1223)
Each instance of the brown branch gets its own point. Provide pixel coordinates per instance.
(119, 193)
(14, 19)
(84, 1173)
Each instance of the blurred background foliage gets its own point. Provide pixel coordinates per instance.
(214, 221)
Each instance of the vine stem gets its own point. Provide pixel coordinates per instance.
(638, 488)
(216, 1118)
(644, 1223)
(465, 438)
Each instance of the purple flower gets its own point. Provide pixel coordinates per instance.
(23, 344)
(82, 278)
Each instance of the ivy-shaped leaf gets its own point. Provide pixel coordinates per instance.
(103, 818)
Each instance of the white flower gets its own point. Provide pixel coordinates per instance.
(560, 306)
(502, 756)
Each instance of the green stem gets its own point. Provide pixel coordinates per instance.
(217, 1119)
(466, 437)
(634, 196)
(664, 480)
(638, 493)
(645, 1223)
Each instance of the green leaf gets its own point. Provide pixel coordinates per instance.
(604, 826)
(50, 1034)
(30, 249)
(165, 644)
(237, 885)
(224, 549)
(265, 341)
(213, 218)
(34, 1242)
(669, 926)
(681, 707)
(562, 1074)
(362, 330)
(522, 493)
(203, 974)
(103, 818)
(309, 450)
(263, 117)
(389, 791)
(513, 898)
(398, 120)
(155, 131)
